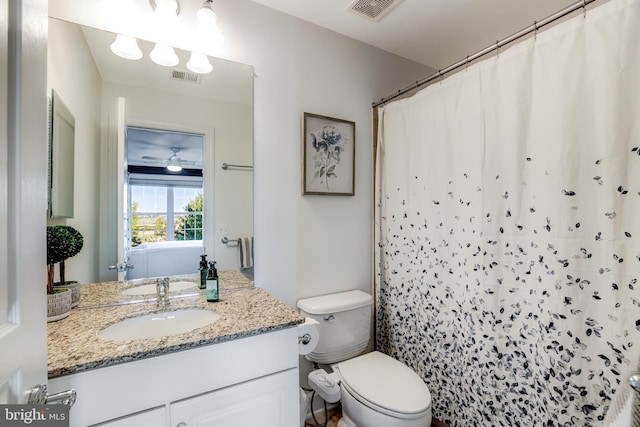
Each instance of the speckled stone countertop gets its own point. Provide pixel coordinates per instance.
(73, 344)
(97, 294)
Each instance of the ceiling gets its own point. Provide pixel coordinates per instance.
(150, 147)
(436, 33)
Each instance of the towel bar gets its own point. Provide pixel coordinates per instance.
(226, 166)
(225, 240)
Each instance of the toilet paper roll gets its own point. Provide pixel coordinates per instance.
(308, 336)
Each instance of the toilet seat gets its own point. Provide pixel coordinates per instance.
(385, 385)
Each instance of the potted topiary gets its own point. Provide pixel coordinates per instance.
(63, 242)
(73, 245)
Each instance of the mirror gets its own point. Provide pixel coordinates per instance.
(61, 157)
(218, 106)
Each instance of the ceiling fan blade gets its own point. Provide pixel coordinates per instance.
(158, 159)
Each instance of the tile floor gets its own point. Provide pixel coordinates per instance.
(334, 417)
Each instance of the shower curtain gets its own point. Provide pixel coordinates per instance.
(508, 227)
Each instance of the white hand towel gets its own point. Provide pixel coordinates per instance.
(245, 245)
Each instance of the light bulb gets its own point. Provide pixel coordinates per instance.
(126, 47)
(207, 28)
(199, 63)
(166, 15)
(174, 168)
(164, 55)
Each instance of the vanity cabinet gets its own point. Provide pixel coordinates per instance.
(260, 402)
(246, 381)
(151, 418)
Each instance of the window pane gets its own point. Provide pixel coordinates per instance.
(148, 228)
(188, 227)
(187, 200)
(188, 210)
(150, 213)
(148, 199)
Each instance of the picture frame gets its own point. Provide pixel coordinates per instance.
(329, 156)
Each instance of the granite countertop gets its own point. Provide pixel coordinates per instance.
(73, 344)
(103, 293)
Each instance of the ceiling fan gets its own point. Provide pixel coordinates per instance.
(174, 163)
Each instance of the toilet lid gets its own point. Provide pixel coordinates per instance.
(385, 382)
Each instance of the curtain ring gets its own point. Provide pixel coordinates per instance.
(535, 30)
(497, 48)
(584, 8)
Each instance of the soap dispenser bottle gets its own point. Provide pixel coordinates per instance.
(212, 283)
(203, 271)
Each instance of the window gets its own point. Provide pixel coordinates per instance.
(165, 204)
(153, 207)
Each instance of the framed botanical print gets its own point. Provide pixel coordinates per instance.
(328, 149)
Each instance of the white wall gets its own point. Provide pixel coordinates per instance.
(309, 245)
(79, 87)
(305, 245)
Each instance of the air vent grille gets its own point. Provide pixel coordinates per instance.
(185, 76)
(373, 9)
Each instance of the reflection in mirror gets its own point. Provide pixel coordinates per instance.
(215, 107)
(61, 156)
(165, 200)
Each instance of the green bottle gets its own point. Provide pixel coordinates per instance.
(203, 271)
(212, 283)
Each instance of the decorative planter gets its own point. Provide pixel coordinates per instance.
(58, 304)
(75, 290)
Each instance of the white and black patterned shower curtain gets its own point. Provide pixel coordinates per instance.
(508, 227)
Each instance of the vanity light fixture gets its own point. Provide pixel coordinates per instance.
(164, 55)
(199, 63)
(126, 47)
(165, 17)
(166, 13)
(207, 30)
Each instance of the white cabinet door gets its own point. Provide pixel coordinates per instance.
(152, 418)
(270, 401)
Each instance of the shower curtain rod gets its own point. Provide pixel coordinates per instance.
(582, 4)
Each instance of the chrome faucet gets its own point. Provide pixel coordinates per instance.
(162, 290)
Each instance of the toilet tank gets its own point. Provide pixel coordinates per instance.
(344, 324)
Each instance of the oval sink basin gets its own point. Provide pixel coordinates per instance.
(151, 288)
(156, 325)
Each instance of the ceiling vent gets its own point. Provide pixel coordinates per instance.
(373, 9)
(185, 76)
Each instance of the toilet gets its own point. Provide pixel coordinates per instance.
(374, 389)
